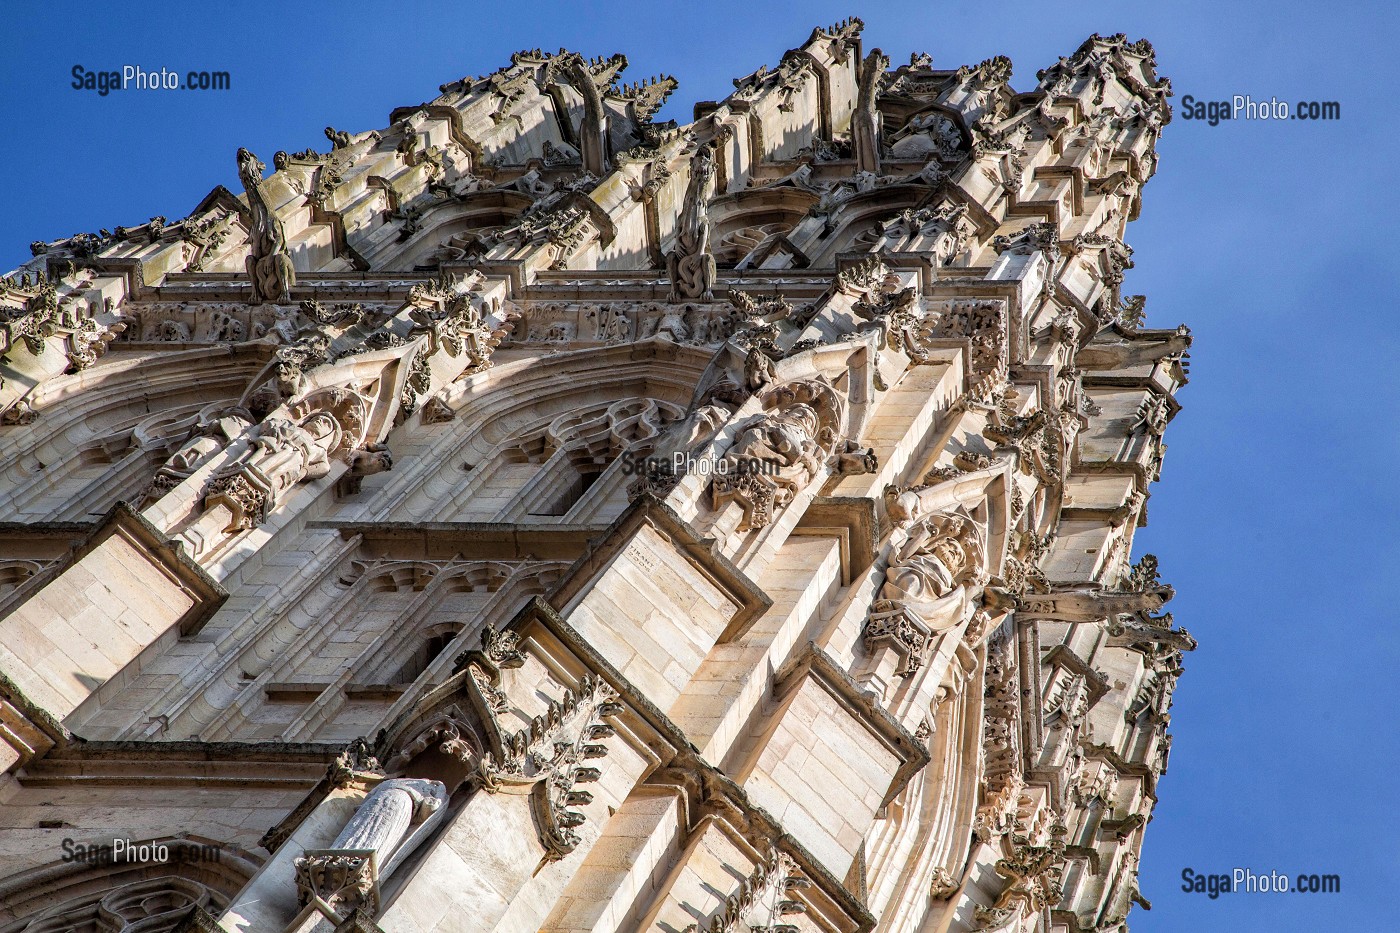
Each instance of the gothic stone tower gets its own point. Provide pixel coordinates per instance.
(533, 517)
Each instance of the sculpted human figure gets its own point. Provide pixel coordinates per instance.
(283, 452)
(269, 263)
(785, 439)
(936, 569)
(691, 264)
(927, 135)
(289, 452)
(865, 122)
(389, 824)
(759, 369)
(386, 816)
(208, 437)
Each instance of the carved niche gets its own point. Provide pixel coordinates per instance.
(775, 455)
(933, 583)
(327, 425)
(393, 820)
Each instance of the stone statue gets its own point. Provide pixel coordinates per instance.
(775, 455)
(691, 264)
(209, 435)
(339, 138)
(391, 822)
(772, 459)
(865, 122)
(759, 369)
(269, 262)
(285, 451)
(785, 440)
(371, 459)
(383, 822)
(593, 144)
(927, 136)
(853, 459)
(934, 568)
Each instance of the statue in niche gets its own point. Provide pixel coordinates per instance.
(936, 569)
(388, 826)
(383, 822)
(934, 582)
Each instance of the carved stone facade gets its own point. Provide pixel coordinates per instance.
(531, 516)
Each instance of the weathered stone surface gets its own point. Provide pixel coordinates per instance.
(529, 516)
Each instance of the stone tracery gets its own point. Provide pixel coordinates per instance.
(897, 317)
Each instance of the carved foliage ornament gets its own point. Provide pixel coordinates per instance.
(1001, 745)
(983, 322)
(787, 80)
(32, 312)
(1034, 875)
(455, 322)
(762, 901)
(549, 759)
(842, 36)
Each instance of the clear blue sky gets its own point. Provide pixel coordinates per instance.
(1277, 516)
